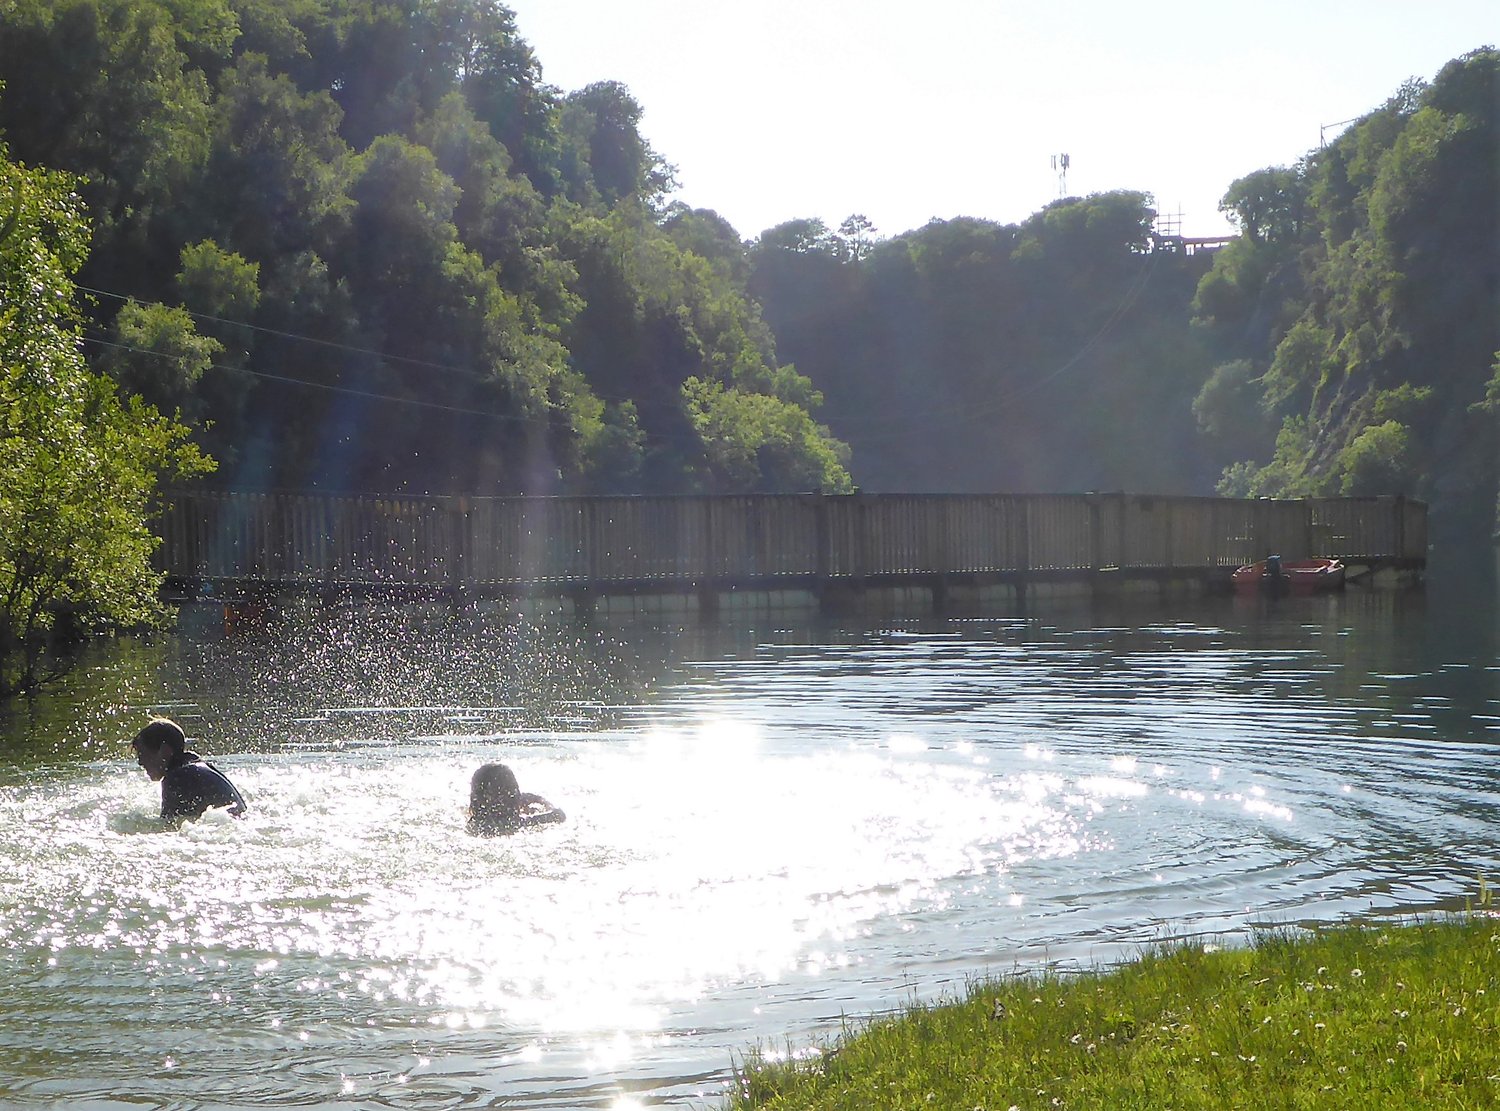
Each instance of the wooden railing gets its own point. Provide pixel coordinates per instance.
(704, 542)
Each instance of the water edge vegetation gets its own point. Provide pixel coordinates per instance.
(1351, 1016)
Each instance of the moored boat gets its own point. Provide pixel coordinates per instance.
(1293, 576)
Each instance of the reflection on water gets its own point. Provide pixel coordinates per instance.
(768, 829)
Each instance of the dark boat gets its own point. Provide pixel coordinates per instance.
(1289, 576)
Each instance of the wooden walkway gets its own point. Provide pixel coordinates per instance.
(234, 544)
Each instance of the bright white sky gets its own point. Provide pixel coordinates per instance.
(778, 109)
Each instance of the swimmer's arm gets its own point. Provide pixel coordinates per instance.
(537, 811)
(546, 817)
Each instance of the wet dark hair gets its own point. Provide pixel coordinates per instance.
(161, 732)
(494, 797)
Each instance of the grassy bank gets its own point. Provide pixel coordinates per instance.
(1372, 1018)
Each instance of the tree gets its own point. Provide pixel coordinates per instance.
(1268, 205)
(605, 158)
(156, 352)
(107, 89)
(709, 236)
(277, 174)
(1376, 461)
(804, 236)
(858, 234)
(1367, 281)
(1229, 411)
(757, 444)
(79, 468)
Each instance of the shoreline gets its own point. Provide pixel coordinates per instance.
(1357, 1016)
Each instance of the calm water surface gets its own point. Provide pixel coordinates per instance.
(769, 828)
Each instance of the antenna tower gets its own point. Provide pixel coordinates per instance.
(1060, 164)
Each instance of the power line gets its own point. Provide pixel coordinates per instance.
(908, 419)
(349, 391)
(470, 372)
(295, 336)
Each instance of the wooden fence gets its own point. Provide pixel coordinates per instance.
(704, 543)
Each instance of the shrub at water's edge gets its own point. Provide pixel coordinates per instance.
(79, 468)
(1351, 1016)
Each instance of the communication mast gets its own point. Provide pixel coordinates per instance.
(1060, 164)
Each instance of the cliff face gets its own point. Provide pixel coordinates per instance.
(1364, 301)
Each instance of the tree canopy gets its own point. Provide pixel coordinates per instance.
(361, 245)
(79, 468)
(1362, 305)
(971, 356)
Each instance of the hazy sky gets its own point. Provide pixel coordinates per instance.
(776, 109)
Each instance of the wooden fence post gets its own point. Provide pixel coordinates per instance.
(708, 588)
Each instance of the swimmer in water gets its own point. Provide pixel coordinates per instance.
(189, 785)
(497, 804)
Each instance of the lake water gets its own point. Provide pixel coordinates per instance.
(770, 828)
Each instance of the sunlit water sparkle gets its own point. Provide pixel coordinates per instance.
(764, 837)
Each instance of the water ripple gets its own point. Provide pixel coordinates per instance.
(767, 832)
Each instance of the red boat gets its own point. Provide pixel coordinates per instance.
(1274, 575)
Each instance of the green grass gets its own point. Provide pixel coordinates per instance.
(1404, 1016)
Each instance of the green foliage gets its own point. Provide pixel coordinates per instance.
(971, 356)
(803, 236)
(393, 258)
(708, 235)
(218, 283)
(666, 319)
(360, 244)
(858, 235)
(1405, 403)
(1098, 227)
(1349, 1017)
(1250, 296)
(605, 158)
(754, 443)
(1269, 206)
(1286, 476)
(1228, 408)
(1377, 461)
(277, 176)
(78, 468)
(1367, 281)
(617, 454)
(107, 89)
(1302, 362)
(156, 352)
